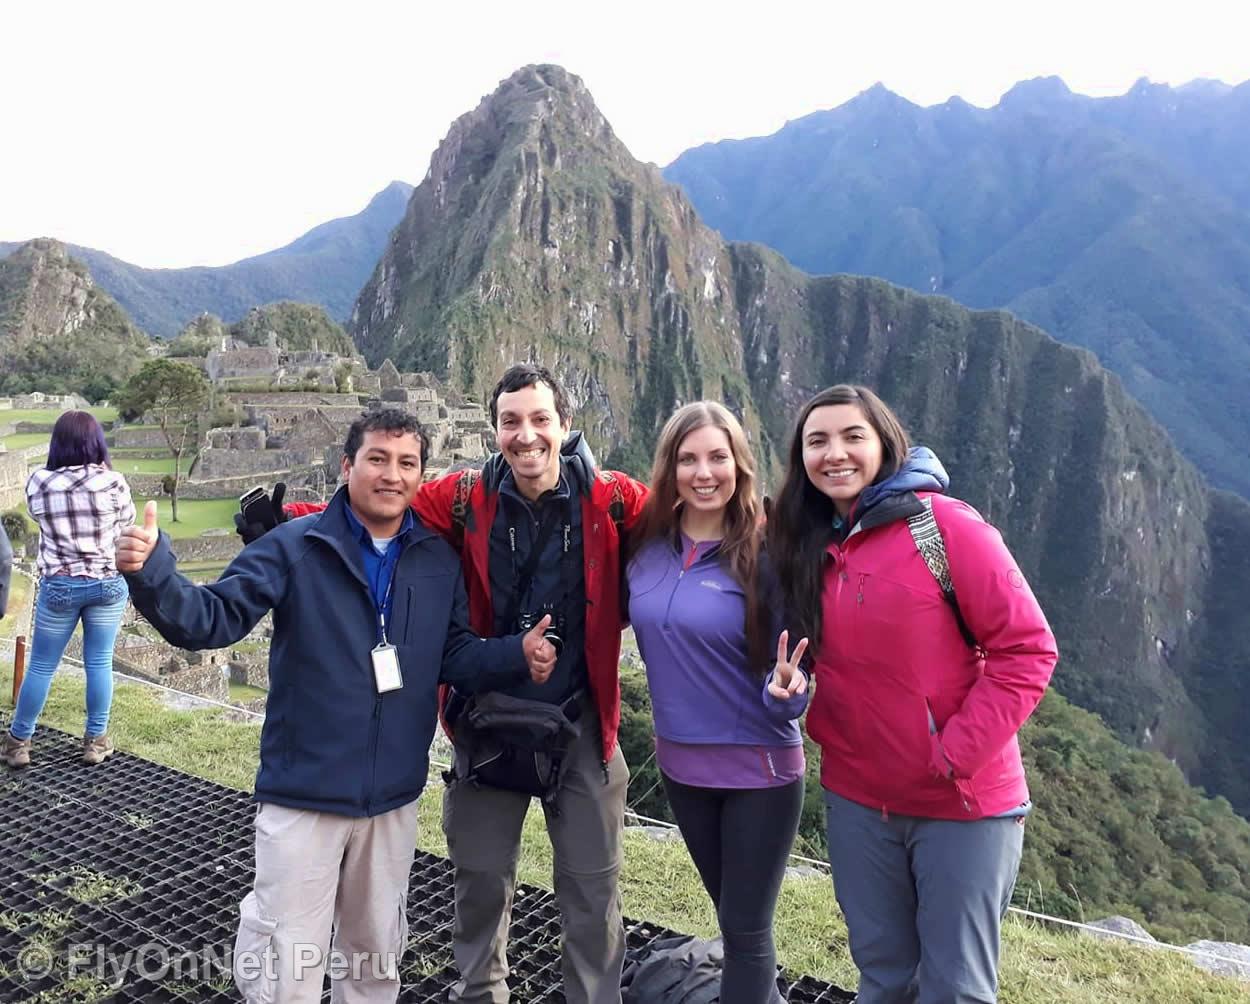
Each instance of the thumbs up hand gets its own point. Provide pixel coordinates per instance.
(540, 654)
(136, 543)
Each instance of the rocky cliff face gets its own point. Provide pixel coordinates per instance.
(536, 235)
(58, 329)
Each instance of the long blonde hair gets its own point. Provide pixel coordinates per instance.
(740, 547)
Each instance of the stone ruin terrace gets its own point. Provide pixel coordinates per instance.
(132, 856)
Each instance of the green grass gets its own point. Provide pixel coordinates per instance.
(17, 616)
(1040, 965)
(202, 571)
(194, 515)
(147, 465)
(21, 440)
(50, 415)
(242, 692)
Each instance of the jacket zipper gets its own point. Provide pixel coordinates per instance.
(375, 730)
(686, 563)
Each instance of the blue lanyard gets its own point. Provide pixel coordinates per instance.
(385, 565)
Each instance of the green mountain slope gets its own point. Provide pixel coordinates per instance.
(59, 332)
(536, 234)
(326, 266)
(1122, 225)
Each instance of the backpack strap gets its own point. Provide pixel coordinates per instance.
(932, 547)
(460, 503)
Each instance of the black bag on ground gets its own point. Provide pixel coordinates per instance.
(678, 970)
(514, 744)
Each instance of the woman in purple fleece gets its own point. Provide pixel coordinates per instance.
(703, 604)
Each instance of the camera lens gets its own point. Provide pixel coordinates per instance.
(554, 638)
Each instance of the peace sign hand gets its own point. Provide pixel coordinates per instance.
(788, 680)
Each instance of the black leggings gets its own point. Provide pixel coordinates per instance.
(739, 839)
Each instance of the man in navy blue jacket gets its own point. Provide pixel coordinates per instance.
(370, 615)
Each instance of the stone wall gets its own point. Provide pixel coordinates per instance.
(38, 401)
(278, 420)
(214, 547)
(247, 363)
(310, 399)
(13, 474)
(127, 436)
(252, 671)
(245, 438)
(206, 680)
(218, 464)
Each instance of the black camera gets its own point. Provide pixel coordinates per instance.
(555, 630)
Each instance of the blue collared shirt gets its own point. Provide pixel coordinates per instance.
(379, 568)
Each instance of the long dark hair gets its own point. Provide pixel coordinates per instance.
(740, 547)
(77, 440)
(800, 523)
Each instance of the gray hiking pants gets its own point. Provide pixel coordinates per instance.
(923, 901)
(483, 828)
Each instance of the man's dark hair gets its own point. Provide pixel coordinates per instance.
(391, 420)
(518, 376)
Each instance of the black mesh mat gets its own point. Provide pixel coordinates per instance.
(139, 864)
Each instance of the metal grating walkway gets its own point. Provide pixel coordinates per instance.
(147, 864)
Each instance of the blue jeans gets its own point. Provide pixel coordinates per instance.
(63, 601)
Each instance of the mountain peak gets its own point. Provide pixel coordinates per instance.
(48, 252)
(878, 96)
(1035, 93)
(1205, 87)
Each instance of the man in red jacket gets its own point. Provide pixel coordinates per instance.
(539, 531)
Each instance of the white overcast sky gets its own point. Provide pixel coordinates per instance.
(187, 132)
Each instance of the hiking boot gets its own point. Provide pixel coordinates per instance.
(96, 749)
(15, 752)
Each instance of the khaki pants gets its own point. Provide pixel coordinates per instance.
(314, 870)
(483, 828)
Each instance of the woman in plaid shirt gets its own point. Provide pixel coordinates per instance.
(81, 505)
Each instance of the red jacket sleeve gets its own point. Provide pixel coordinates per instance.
(433, 503)
(1007, 622)
(633, 494)
(294, 510)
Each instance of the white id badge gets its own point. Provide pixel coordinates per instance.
(386, 673)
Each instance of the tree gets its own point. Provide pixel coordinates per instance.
(173, 393)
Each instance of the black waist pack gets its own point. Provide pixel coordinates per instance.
(513, 744)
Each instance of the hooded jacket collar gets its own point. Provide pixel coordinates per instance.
(895, 497)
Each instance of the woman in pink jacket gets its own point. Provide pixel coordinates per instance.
(919, 695)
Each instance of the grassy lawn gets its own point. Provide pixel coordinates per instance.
(201, 571)
(21, 440)
(146, 465)
(17, 618)
(194, 515)
(1040, 965)
(246, 692)
(50, 415)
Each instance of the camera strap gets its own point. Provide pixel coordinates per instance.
(525, 574)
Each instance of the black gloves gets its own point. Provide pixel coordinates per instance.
(262, 515)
